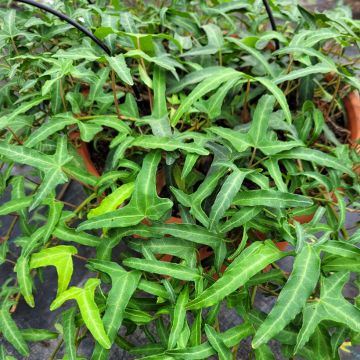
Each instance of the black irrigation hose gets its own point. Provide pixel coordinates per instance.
(272, 21)
(68, 20)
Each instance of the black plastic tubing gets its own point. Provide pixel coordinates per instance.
(68, 20)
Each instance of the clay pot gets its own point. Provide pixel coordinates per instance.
(352, 108)
(83, 151)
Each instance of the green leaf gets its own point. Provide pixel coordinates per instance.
(36, 335)
(23, 155)
(318, 157)
(159, 123)
(300, 73)
(237, 274)
(264, 353)
(22, 270)
(168, 144)
(176, 271)
(88, 309)
(217, 343)
(178, 317)
(240, 218)
(144, 203)
(238, 140)
(11, 332)
(230, 338)
(69, 333)
(331, 306)
(274, 171)
(260, 121)
(255, 53)
(190, 161)
(118, 64)
(66, 234)
(271, 198)
(55, 211)
(15, 205)
(279, 95)
(113, 201)
(203, 88)
(23, 108)
(224, 198)
(59, 256)
(123, 286)
(340, 248)
(56, 124)
(293, 296)
(341, 264)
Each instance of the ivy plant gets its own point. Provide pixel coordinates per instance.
(209, 142)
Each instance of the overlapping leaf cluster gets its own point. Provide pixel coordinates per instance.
(214, 147)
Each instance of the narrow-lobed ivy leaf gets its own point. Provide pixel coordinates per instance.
(279, 95)
(274, 171)
(217, 343)
(159, 122)
(176, 271)
(144, 203)
(69, 333)
(225, 196)
(22, 270)
(172, 246)
(66, 234)
(263, 352)
(309, 70)
(230, 338)
(203, 88)
(271, 198)
(113, 201)
(255, 53)
(168, 144)
(118, 64)
(317, 157)
(330, 306)
(23, 108)
(238, 140)
(153, 288)
(204, 190)
(11, 332)
(56, 124)
(293, 296)
(123, 286)
(260, 121)
(88, 130)
(340, 248)
(240, 218)
(55, 210)
(341, 264)
(237, 275)
(190, 161)
(15, 205)
(88, 309)
(36, 335)
(23, 155)
(59, 256)
(178, 317)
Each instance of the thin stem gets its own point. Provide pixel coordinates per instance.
(56, 350)
(113, 87)
(62, 95)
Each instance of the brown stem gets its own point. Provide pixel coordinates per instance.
(113, 87)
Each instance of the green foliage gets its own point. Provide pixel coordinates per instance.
(199, 147)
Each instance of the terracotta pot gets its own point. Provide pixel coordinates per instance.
(352, 107)
(83, 151)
